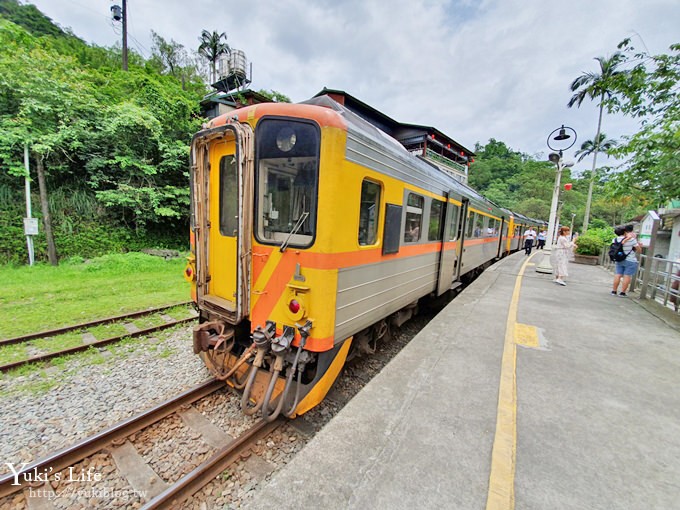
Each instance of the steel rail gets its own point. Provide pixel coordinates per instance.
(98, 343)
(85, 325)
(89, 446)
(191, 483)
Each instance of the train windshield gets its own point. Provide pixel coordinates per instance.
(287, 154)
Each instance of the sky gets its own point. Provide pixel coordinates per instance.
(475, 70)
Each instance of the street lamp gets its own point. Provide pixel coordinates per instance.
(558, 141)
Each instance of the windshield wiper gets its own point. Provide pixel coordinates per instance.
(297, 227)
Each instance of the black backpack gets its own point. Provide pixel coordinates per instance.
(616, 253)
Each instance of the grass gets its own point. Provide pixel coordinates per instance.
(45, 297)
(11, 353)
(58, 343)
(40, 387)
(178, 312)
(105, 331)
(46, 381)
(148, 321)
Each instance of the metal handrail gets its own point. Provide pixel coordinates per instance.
(663, 283)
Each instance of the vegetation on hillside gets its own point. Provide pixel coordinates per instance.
(109, 148)
(524, 184)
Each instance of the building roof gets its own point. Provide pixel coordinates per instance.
(398, 130)
(233, 98)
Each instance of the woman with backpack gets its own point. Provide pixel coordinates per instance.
(626, 268)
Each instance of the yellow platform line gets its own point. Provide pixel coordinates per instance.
(501, 494)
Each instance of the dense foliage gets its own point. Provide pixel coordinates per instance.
(594, 240)
(650, 92)
(113, 144)
(524, 184)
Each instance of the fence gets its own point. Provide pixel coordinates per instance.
(662, 283)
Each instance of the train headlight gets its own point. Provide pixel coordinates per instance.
(285, 139)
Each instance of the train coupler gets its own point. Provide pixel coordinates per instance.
(211, 335)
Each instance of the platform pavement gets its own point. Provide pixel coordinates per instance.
(597, 414)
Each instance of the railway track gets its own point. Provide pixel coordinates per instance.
(93, 343)
(224, 466)
(116, 438)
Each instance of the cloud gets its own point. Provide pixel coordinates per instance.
(474, 69)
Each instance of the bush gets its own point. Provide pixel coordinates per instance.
(81, 229)
(605, 234)
(87, 241)
(589, 245)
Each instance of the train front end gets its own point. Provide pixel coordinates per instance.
(265, 292)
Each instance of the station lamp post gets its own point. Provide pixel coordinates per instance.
(558, 141)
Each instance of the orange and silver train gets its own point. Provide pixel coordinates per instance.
(313, 233)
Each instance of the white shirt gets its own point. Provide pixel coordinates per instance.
(530, 234)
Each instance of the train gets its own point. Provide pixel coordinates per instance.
(313, 233)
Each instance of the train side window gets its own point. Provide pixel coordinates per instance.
(479, 225)
(472, 218)
(228, 197)
(492, 229)
(453, 226)
(392, 230)
(368, 212)
(414, 218)
(434, 231)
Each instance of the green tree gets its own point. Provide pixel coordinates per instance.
(110, 148)
(274, 96)
(30, 18)
(213, 44)
(46, 104)
(588, 148)
(495, 162)
(596, 87)
(172, 58)
(650, 92)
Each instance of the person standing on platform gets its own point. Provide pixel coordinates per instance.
(541, 240)
(626, 269)
(529, 237)
(562, 254)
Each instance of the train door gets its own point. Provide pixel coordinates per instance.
(501, 230)
(462, 221)
(447, 258)
(224, 218)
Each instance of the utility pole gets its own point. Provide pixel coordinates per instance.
(125, 52)
(121, 15)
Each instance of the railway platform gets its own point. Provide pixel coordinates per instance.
(520, 393)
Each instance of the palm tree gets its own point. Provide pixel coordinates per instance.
(595, 86)
(589, 147)
(212, 46)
